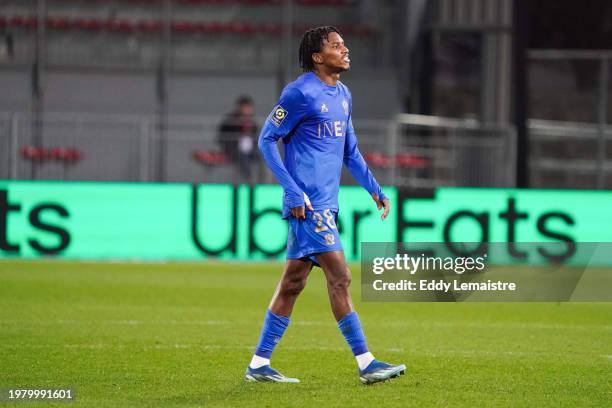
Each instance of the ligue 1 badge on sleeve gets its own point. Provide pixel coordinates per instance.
(278, 116)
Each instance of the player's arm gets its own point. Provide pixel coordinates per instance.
(281, 121)
(361, 172)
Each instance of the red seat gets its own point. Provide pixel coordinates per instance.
(270, 28)
(3, 22)
(239, 27)
(345, 29)
(58, 23)
(322, 2)
(364, 31)
(71, 155)
(64, 154)
(88, 24)
(407, 160)
(301, 28)
(211, 28)
(56, 153)
(378, 159)
(149, 26)
(198, 2)
(32, 153)
(260, 2)
(209, 157)
(184, 26)
(23, 21)
(124, 26)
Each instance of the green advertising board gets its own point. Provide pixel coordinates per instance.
(87, 220)
(146, 221)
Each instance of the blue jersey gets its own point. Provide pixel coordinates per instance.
(314, 121)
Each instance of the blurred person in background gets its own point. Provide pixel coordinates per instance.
(237, 135)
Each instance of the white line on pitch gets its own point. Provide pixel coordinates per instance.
(428, 353)
(395, 323)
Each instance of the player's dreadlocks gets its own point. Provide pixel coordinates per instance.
(312, 41)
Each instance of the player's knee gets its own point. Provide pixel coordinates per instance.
(293, 286)
(341, 281)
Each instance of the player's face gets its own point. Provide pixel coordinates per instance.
(334, 53)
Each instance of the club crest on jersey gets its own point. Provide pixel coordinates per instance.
(324, 108)
(278, 115)
(345, 107)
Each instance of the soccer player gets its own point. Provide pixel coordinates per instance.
(313, 118)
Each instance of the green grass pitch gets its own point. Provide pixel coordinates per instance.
(181, 335)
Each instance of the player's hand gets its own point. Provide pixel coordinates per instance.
(300, 212)
(381, 204)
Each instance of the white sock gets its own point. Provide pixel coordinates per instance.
(364, 360)
(257, 361)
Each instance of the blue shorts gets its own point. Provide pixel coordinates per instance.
(317, 233)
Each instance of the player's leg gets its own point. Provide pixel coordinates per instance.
(338, 278)
(290, 286)
(276, 321)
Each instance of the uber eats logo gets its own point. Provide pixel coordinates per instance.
(244, 222)
(456, 217)
(37, 217)
(181, 221)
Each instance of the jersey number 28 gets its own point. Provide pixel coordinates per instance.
(329, 220)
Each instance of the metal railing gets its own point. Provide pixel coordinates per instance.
(570, 155)
(453, 152)
(413, 151)
(569, 88)
(115, 148)
(127, 148)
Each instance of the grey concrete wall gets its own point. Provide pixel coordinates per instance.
(15, 91)
(112, 149)
(375, 96)
(83, 92)
(210, 96)
(100, 93)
